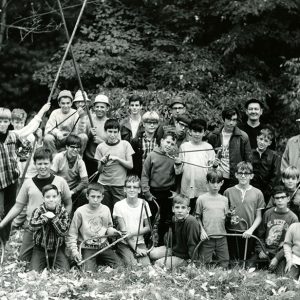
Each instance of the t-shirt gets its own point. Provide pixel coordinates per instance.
(113, 172)
(193, 182)
(246, 203)
(132, 216)
(224, 159)
(30, 194)
(134, 126)
(292, 241)
(72, 175)
(213, 210)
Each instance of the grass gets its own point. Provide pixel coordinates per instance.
(140, 283)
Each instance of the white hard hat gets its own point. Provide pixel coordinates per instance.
(101, 99)
(79, 96)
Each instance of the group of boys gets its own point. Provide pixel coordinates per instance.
(197, 181)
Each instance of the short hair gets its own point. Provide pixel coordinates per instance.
(180, 199)
(135, 98)
(73, 139)
(19, 114)
(48, 188)
(279, 189)
(267, 132)
(42, 153)
(244, 166)
(133, 178)
(5, 113)
(198, 125)
(228, 112)
(94, 187)
(111, 124)
(214, 175)
(254, 100)
(150, 115)
(171, 134)
(290, 172)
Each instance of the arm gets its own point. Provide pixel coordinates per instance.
(145, 179)
(193, 237)
(66, 196)
(82, 185)
(128, 164)
(285, 160)
(61, 222)
(72, 237)
(255, 224)
(38, 220)
(275, 171)
(14, 211)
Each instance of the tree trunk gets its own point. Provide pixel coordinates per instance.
(3, 22)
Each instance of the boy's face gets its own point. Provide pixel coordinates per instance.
(243, 176)
(95, 198)
(4, 123)
(263, 142)
(43, 167)
(196, 136)
(51, 199)
(100, 110)
(112, 135)
(229, 124)
(150, 126)
(290, 183)
(180, 210)
(18, 124)
(65, 104)
(73, 150)
(79, 104)
(135, 107)
(181, 128)
(214, 187)
(281, 200)
(132, 189)
(168, 144)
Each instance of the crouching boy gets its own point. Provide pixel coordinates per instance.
(89, 223)
(50, 223)
(186, 236)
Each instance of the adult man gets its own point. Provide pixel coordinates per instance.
(131, 124)
(97, 133)
(178, 107)
(234, 146)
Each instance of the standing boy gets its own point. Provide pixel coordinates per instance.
(211, 210)
(115, 158)
(89, 223)
(132, 214)
(49, 223)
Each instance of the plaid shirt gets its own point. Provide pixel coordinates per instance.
(54, 228)
(9, 171)
(147, 146)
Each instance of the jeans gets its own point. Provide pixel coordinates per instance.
(111, 195)
(127, 255)
(27, 246)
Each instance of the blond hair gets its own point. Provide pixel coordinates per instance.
(5, 113)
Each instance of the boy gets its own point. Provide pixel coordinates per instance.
(132, 215)
(266, 163)
(273, 228)
(69, 165)
(158, 179)
(115, 158)
(49, 223)
(247, 203)
(193, 182)
(211, 210)
(186, 235)
(90, 222)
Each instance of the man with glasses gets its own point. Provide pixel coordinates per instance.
(70, 166)
(232, 146)
(178, 108)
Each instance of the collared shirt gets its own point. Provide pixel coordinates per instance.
(148, 146)
(54, 228)
(9, 171)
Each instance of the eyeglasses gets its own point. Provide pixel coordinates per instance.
(244, 174)
(183, 125)
(151, 122)
(75, 147)
(279, 198)
(177, 107)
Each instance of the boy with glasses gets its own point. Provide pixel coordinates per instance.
(247, 203)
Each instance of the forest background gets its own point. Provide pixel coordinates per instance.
(212, 53)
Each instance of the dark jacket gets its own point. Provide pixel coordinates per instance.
(125, 130)
(239, 147)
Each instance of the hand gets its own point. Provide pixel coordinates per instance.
(203, 235)
(104, 159)
(288, 266)
(177, 161)
(140, 252)
(216, 163)
(49, 215)
(150, 197)
(273, 264)
(262, 255)
(113, 158)
(93, 131)
(81, 112)
(97, 139)
(114, 231)
(39, 134)
(247, 234)
(46, 107)
(60, 135)
(77, 257)
(72, 193)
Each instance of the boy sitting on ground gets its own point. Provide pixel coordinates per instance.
(273, 228)
(90, 222)
(50, 223)
(132, 216)
(186, 236)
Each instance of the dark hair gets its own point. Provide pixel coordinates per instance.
(253, 100)
(42, 153)
(135, 98)
(279, 189)
(171, 134)
(244, 166)
(228, 112)
(267, 131)
(112, 124)
(94, 187)
(198, 125)
(180, 199)
(73, 139)
(214, 176)
(49, 187)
